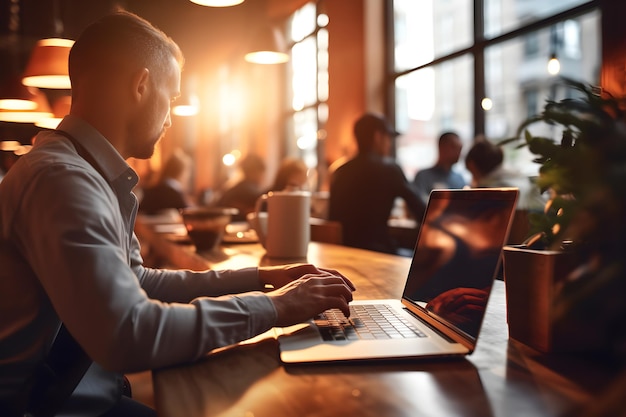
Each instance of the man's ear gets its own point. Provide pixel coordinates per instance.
(140, 83)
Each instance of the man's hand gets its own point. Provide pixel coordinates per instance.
(302, 299)
(278, 276)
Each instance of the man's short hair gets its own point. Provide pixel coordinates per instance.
(446, 137)
(365, 128)
(121, 40)
(485, 155)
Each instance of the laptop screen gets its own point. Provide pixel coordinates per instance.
(457, 255)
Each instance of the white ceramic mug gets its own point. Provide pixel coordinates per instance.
(284, 230)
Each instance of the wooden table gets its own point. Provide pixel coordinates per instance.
(501, 378)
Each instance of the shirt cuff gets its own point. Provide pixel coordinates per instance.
(262, 311)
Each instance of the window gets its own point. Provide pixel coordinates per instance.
(531, 45)
(456, 72)
(309, 83)
(429, 101)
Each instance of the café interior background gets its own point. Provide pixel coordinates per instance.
(367, 56)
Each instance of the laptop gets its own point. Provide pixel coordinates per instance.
(456, 259)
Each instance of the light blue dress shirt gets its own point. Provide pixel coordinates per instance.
(68, 252)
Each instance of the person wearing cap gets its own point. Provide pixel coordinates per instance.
(442, 174)
(364, 189)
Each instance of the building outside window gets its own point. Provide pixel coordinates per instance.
(453, 70)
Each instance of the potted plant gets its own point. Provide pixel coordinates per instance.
(573, 271)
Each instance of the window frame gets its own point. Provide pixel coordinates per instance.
(477, 50)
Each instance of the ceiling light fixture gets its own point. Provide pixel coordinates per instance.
(13, 94)
(267, 47)
(48, 64)
(217, 3)
(554, 66)
(188, 104)
(28, 116)
(16, 96)
(60, 109)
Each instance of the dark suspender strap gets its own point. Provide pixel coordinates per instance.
(54, 380)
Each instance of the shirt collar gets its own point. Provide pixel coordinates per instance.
(111, 164)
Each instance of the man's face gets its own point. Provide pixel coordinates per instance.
(153, 117)
(453, 150)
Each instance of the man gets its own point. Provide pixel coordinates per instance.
(170, 192)
(363, 190)
(244, 194)
(441, 175)
(69, 254)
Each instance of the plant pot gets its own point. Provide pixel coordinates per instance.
(532, 279)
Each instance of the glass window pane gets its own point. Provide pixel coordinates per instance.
(428, 29)
(505, 15)
(429, 102)
(518, 82)
(303, 22)
(304, 67)
(305, 134)
(322, 65)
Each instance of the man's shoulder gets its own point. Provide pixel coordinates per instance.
(426, 172)
(52, 149)
(50, 164)
(372, 161)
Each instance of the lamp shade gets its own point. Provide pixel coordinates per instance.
(217, 3)
(267, 47)
(16, 96)
(48, 64)
(187, 105)
(60, 108)
(28, 116)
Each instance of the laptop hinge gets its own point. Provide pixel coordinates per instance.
(438, 326)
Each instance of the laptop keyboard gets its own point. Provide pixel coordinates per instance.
(367, 321)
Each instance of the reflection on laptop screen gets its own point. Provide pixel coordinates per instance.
(457, 254)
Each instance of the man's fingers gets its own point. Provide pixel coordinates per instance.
(332, 286)
(309, 295)
(337, 273)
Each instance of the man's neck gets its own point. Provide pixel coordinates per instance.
(443, 166)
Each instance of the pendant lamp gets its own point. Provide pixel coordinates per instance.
(187, 105)
(28, 116)
(267, 47)
(48, 64)
(60, 109)
(217, 3)
(16, 96)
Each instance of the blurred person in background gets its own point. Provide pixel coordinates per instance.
(292, 175)
(244, 194)
(364, 189)
(170, 192)
(442, 174)
(484, 161)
